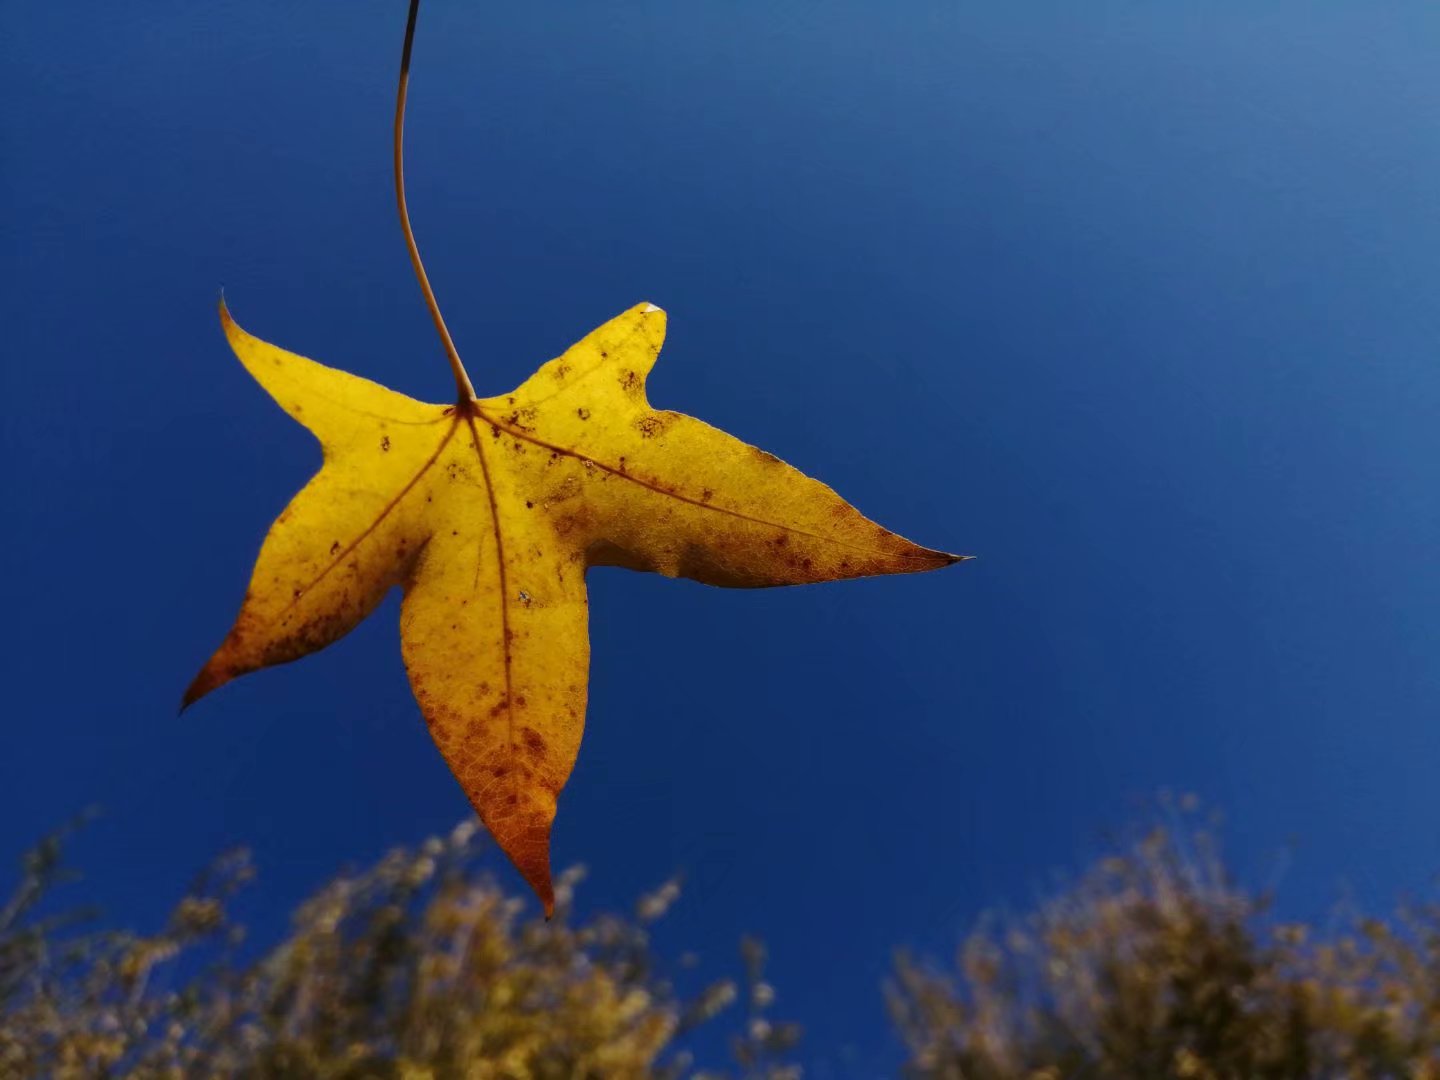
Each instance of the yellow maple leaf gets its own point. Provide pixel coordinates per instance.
(488, 513)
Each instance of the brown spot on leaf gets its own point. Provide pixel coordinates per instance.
(650, 426)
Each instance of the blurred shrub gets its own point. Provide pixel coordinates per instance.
(1155, 964)
(419, 968)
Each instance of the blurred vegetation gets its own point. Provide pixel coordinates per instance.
(419, 967)
(1156, 963)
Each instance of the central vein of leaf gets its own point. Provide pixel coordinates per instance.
(504, 587)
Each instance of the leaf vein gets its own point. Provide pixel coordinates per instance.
(920, 556)
(504, 587)
(379, 518)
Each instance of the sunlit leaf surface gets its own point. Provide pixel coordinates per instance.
(488, 514)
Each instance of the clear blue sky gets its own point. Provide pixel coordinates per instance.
(1137, 303)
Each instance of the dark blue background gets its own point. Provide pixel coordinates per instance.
(1136, 302)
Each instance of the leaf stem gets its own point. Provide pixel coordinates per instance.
(462, 379)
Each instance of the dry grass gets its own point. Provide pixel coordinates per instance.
(419, 967)
(1156, 964)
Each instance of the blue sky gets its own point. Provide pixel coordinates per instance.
(1135, 303)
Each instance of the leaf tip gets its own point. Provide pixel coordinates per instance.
(538, 878)
(208, 679)
(537, 874)
(525, 838)
(936, 560)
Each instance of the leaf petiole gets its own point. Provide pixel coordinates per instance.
(462, 379)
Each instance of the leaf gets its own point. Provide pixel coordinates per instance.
(488, 514)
